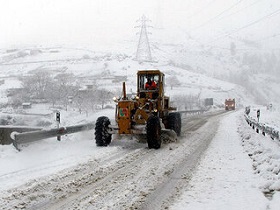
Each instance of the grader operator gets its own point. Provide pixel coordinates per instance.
(149, 113)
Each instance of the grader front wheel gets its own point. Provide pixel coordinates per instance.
(102, 136)
(153, 132)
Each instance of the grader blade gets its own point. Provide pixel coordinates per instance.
(168, 135)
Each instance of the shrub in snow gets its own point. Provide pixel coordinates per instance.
(22, 54)
(86, 57)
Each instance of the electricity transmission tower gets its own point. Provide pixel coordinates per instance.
(143, 50)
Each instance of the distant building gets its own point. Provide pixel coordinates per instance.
(208, 102)
(26, 105)
(89, 87)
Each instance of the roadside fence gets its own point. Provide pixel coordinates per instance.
(262, 128)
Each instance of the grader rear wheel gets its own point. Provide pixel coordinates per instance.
(174, 122)
(153, 132)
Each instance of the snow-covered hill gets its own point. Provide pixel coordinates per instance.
(198, 70)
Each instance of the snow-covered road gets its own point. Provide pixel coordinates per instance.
(130, 177)
(219, 162)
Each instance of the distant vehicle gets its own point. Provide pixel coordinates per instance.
(230, 104)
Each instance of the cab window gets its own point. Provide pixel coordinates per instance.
(144, 79)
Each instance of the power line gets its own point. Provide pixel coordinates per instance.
(201, 9)
(268, 37)
(250, 5)
(220, 14)
(249, 24)
(241, 49)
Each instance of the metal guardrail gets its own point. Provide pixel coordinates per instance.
(261, 127)
(6, 130)
(31, 136)
(198, 111)
(27, 137)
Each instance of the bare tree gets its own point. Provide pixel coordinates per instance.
(103, 96)
(36, 85)
(173, 82)
(187, 102)
(53, 93)
(65, 87)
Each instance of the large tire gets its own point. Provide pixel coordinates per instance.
(174, 122)
(102, 136)
(153, 132)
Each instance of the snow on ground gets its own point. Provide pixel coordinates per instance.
(48, 156)
(238, 169)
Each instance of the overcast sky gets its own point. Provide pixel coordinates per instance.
(48, 22)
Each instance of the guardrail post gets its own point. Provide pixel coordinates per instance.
(258, 115)
(58, 122)
(263, 128)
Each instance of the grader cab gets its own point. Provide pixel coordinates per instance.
(149, 113)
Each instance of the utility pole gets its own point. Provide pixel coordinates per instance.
(143, 50)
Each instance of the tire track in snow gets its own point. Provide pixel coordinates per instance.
(124, 180)
(122, 189)
(182, 173)
(68, 181)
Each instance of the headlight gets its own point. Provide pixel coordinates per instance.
(115, 99)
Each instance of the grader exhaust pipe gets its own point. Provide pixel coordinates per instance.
(124, 91)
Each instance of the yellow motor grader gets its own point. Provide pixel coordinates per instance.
(149, 113)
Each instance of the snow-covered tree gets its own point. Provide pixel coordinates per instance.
(35, 86)
(173, 82)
